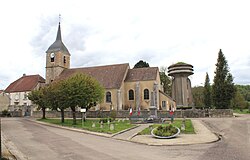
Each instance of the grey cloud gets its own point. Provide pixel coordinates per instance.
(242, 76)
(4, 78)
(75, 39)
(46, 34)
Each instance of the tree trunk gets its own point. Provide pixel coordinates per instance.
(62, 115)
(43, 109)
(74, 115)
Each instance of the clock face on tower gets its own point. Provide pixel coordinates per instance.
(52, 55)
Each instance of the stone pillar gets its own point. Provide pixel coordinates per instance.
(119, 99)
(137, 95)
(156, 95)
(152, 99)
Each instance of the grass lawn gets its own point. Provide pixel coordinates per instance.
(243, 111)
(177, 123)
(87, 125)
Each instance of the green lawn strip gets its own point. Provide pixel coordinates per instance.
(243, 111)
(177, 123)
(87, 125)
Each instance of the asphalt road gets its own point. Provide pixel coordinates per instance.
(38, 142)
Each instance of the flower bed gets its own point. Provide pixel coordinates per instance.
(165, 132)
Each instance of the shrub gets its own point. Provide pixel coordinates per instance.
(165, 131)
(113, 115)
(105, 120)
(5, 113)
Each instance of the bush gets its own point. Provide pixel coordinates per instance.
(5, 113)
(165, 131)
(105, 120)
(113, 115)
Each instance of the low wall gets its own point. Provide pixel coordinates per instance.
(125, 114)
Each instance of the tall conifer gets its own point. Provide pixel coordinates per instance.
(207, 92)
(223, 89)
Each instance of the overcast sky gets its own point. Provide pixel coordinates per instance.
(101, 32)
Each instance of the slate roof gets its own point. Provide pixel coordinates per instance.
(25, 83)
(58, 44)
(142, 74)
(110, 76)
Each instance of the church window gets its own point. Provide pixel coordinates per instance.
(130, 94)
(164, 104)
(146, 94)
(108, 97)
(64, 59)
(52, 59)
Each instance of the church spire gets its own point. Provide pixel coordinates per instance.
(58, 44)
(58, 36)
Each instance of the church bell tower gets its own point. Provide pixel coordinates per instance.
(57, 58)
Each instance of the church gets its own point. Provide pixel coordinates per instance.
(138, 88)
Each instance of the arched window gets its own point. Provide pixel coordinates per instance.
(52, 59)
(108, 97)
(146, 94)
(131, 95)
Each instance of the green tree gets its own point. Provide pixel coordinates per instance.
(238, 101)
(38, 97)
(165, 80)
(245, 91)
(56, 98)
(141, 64)
(198, 98)
(223, 89)
(81, 91)
(207, 92)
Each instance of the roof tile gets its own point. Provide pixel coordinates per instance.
(25, 83)
(142, 74)
(110, 76)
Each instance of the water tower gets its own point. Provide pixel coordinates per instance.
(181, 84)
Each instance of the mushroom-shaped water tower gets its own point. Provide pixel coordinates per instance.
(181, 84)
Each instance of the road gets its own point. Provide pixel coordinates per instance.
(38, 142)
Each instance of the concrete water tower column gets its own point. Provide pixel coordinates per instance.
(181, 84)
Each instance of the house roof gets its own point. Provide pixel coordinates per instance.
(110, 76)
(25, 83)
(142, 74)
(58, 44)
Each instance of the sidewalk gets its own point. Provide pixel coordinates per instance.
(203, 135)
(131, 133)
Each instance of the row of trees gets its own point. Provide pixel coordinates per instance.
(223, 93)
(78, 90)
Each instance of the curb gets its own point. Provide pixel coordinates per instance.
(12, 149)
(115, 134)
(130, 139)
(72, 129)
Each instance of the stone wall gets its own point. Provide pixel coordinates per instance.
(125, 114)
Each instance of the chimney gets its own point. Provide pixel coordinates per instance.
(24, 75)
